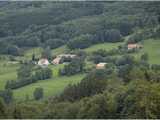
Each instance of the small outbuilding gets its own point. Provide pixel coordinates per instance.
(43, 62)
(134, 46)
(101, 65)
(59, 58)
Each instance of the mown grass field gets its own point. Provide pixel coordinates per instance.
(51, 87)
(105, 46)
(60, 50)
(152, 47)
(5, 77)
(7, 72)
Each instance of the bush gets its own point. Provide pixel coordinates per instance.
(38, 93)
(43, 73)
(7, 95)
(144, 57)
(2, 109)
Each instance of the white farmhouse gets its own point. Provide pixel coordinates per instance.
(101, 65)
(43, 62)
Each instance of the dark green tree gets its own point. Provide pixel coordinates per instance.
(3, 113)
(38, 93)
(46, 53)
(144, 57)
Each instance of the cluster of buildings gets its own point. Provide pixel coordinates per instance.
(45, 62)
(130, 46)
(58, 60)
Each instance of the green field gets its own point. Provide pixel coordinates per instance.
(152, 47)
(7, 72)
(60, 50)
(57, 83)
(105, 46)
(5, 77)
(51, 87)
(37, 51)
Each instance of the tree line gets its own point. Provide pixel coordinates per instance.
(77, 33)
(26, 74)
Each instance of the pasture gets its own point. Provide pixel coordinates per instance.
(51, 86)
(60, 50)
(57, 83)
(152, 48)
(105, 46)
(7, 72)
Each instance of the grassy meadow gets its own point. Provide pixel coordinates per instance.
(51, 86)
(57, 83)
(7, 72)
(152, 47)
(60, 50)
(105, 46)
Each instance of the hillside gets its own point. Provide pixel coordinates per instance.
(51, 87)
(58, 83)
(47, 30)
(79, 60)
(105, 46)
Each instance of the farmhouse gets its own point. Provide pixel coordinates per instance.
(134, 46)
(101, 65)
(67, 55)
(43, 62)
(58, 59)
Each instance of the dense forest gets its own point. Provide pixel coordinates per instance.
(127, 87)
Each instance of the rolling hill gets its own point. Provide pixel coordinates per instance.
(57, 83)
(51, 87)
(29, 28)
